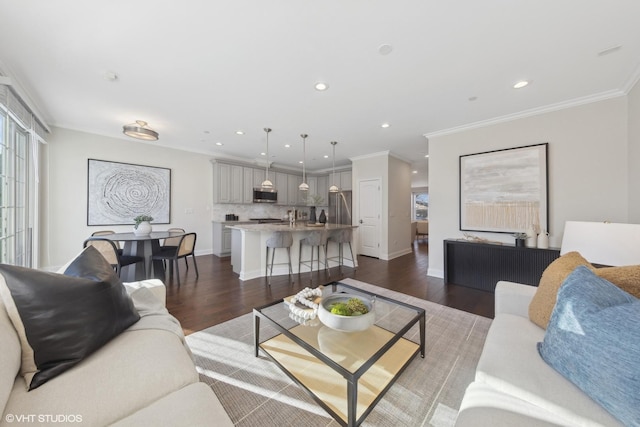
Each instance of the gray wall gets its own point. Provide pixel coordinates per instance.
(589, 171)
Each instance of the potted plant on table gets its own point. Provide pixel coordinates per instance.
(142, 225)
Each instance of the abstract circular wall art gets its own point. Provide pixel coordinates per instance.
(118, 192)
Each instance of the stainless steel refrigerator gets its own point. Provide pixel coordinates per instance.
(340, 208)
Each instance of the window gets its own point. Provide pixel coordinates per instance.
(420, 205)
(20, 134)
(15, 231)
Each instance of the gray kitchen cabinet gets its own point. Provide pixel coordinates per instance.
(323, 189)
(221, 240)
(345, 180)
(227, 183)
(281, 183)
(247, 185)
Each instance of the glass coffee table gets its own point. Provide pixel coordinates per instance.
(347, 373)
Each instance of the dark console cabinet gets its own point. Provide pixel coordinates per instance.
(482, 265)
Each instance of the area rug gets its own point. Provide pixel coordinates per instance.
(255, 392)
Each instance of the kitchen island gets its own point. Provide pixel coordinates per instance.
(248, 248)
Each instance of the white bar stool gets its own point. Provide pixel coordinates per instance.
(340, 237)
(279, 239)
(314, 239)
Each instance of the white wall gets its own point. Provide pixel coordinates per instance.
(374, 166)
(395, 181)
(399, 230)
(64, 190)
(588, 169)
(634, 153)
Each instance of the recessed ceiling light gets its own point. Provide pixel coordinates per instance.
(263, 154)
(321, 86)
(219, 144)
(326, 156)
(239, 132)
(385, 125)
(385, 49)
(301, 162)
(426, 155)
(415, 172)
(521, 84)
(287, 145)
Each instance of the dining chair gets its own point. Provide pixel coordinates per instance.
(172, 254)
(109, 251)
(106, 233)
(174, 242)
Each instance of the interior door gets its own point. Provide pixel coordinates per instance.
(369, 223)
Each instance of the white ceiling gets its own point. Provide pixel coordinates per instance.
(199, 70)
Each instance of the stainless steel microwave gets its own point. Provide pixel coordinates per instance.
(262, 196)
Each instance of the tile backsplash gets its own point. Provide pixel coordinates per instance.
(245, 212)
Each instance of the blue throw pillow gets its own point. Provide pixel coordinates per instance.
(593, 339)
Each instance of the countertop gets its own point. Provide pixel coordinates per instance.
(287, 227)
(233, 222)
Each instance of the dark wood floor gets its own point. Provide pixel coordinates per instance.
(218, 295)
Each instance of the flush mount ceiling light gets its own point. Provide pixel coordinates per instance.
(304, 186)
(240, 132)
(140, 130)
(266, 184)
(334, 188)
(385, 125)
(320, 86)
(521, 84)
(219, 144)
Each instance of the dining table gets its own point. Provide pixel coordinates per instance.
(145, 246)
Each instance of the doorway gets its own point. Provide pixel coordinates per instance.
(369, 208)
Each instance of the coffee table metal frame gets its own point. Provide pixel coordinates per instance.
(351, 377)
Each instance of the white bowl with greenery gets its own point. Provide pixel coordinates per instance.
(349, 320)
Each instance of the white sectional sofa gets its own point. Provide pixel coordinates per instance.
(514, 386)
(144, 376)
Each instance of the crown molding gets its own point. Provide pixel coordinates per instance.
(529, 113)
(8, 79)
(632, 80)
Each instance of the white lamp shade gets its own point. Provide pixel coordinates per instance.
(266, 184)
(334, 189)
(603, 243)
(303, 187)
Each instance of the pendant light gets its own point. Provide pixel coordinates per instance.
(304, 186)
(334, 188)
(266, 184)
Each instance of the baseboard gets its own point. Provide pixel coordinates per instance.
(435, 272)
(399, 253)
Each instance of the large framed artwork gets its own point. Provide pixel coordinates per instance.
(505, 191)
(118, 192)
